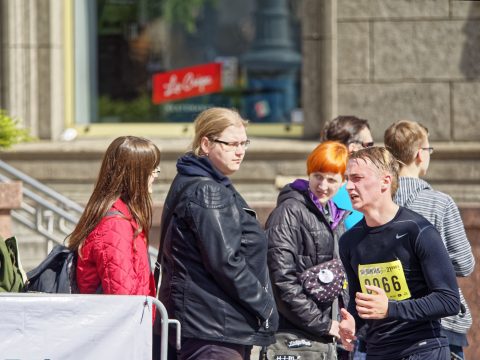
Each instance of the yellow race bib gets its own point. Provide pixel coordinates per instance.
(389, 276)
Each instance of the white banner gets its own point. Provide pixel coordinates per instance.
(75, 327)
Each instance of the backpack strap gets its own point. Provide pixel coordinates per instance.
(113, 212)
(336, 302)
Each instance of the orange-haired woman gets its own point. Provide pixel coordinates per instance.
(112, 235)
(302, 231)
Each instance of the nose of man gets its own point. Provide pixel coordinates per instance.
(348, 184)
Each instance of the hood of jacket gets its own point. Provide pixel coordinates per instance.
(289, 192)
(408, 190)
(192, 165)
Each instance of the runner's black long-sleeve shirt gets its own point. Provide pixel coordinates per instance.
(407, 247)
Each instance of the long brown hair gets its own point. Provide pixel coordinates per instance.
(126, 167)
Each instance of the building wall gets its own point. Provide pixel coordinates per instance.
(416, 59)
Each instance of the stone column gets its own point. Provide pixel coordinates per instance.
(319, 71)
(32, 51)
(10, 198)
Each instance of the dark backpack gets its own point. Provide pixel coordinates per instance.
(55, 274)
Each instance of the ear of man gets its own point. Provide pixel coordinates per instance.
(386, 182)
(421, 162)
(420, 156)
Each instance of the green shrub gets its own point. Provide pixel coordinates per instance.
(10, 132)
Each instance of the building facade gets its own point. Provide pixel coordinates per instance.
(289, 66)
(94, 65)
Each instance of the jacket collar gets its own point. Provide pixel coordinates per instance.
(192, 165)
(408, 190)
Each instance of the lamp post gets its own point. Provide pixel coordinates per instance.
(271, 65)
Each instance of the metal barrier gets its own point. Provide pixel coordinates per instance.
(46, 211)
(65, 311)
(165, 322)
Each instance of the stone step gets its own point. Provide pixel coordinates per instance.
(72, 167)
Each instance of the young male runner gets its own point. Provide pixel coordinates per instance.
(408, 142)
(400, 277)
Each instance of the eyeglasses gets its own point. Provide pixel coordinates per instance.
(364, 144)
(232, 146)
(429, 149)
(156, 171)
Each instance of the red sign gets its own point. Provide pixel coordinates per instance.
(187, 82)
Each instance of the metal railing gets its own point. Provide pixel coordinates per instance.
(61, 301)
(46, 211)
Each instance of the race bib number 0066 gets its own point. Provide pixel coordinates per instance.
(389, 276)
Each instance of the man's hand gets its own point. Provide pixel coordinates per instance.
(347, 330)
(372, 306)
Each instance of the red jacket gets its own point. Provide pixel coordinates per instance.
(111, 257)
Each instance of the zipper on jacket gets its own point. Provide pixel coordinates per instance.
(267, 322)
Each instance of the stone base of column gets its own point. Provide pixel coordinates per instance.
(10, 198)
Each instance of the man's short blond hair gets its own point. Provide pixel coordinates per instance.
(403, 139)
(382, 159)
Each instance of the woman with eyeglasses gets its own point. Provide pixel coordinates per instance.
(213, 251)
(111, 237)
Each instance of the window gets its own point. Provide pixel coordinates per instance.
(135, 63)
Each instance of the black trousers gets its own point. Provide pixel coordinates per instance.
(197, 349)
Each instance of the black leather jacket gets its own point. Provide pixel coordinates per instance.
(299, 237)
(215, 279)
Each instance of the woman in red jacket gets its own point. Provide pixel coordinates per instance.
(112, 235)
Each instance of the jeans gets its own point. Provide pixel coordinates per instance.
(457, 351)
(357, 354)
